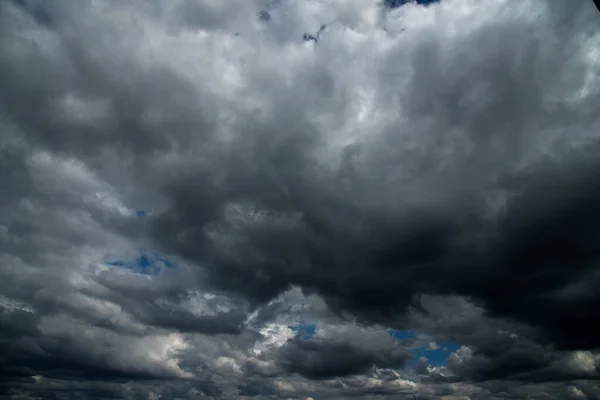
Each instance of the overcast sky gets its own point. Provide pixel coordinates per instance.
(299, 199)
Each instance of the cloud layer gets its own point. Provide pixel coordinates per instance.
(299, 199)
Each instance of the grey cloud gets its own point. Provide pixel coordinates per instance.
(428, 231)
(326, 359)
(442, 179)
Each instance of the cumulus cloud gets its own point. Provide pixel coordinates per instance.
(299, 199)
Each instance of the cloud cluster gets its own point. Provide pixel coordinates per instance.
(299, 199)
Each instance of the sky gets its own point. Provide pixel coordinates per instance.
(299, 199)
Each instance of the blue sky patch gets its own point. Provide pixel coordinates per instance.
(402, 334)
(143, 261)
(143, 264)
(141, 213)
(304, 331)
(435, 354)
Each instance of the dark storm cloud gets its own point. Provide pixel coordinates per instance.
(184, 321)
(17, 323)
(318, 359)
(368, 241)
(494, 348)
(27, 352)
(547, 254)
(364, 169)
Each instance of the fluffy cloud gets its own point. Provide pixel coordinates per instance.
(299, 199)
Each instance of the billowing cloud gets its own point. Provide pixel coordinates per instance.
(299, 199)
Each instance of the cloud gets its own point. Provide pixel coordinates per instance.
(195, 202)
(342, 351)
